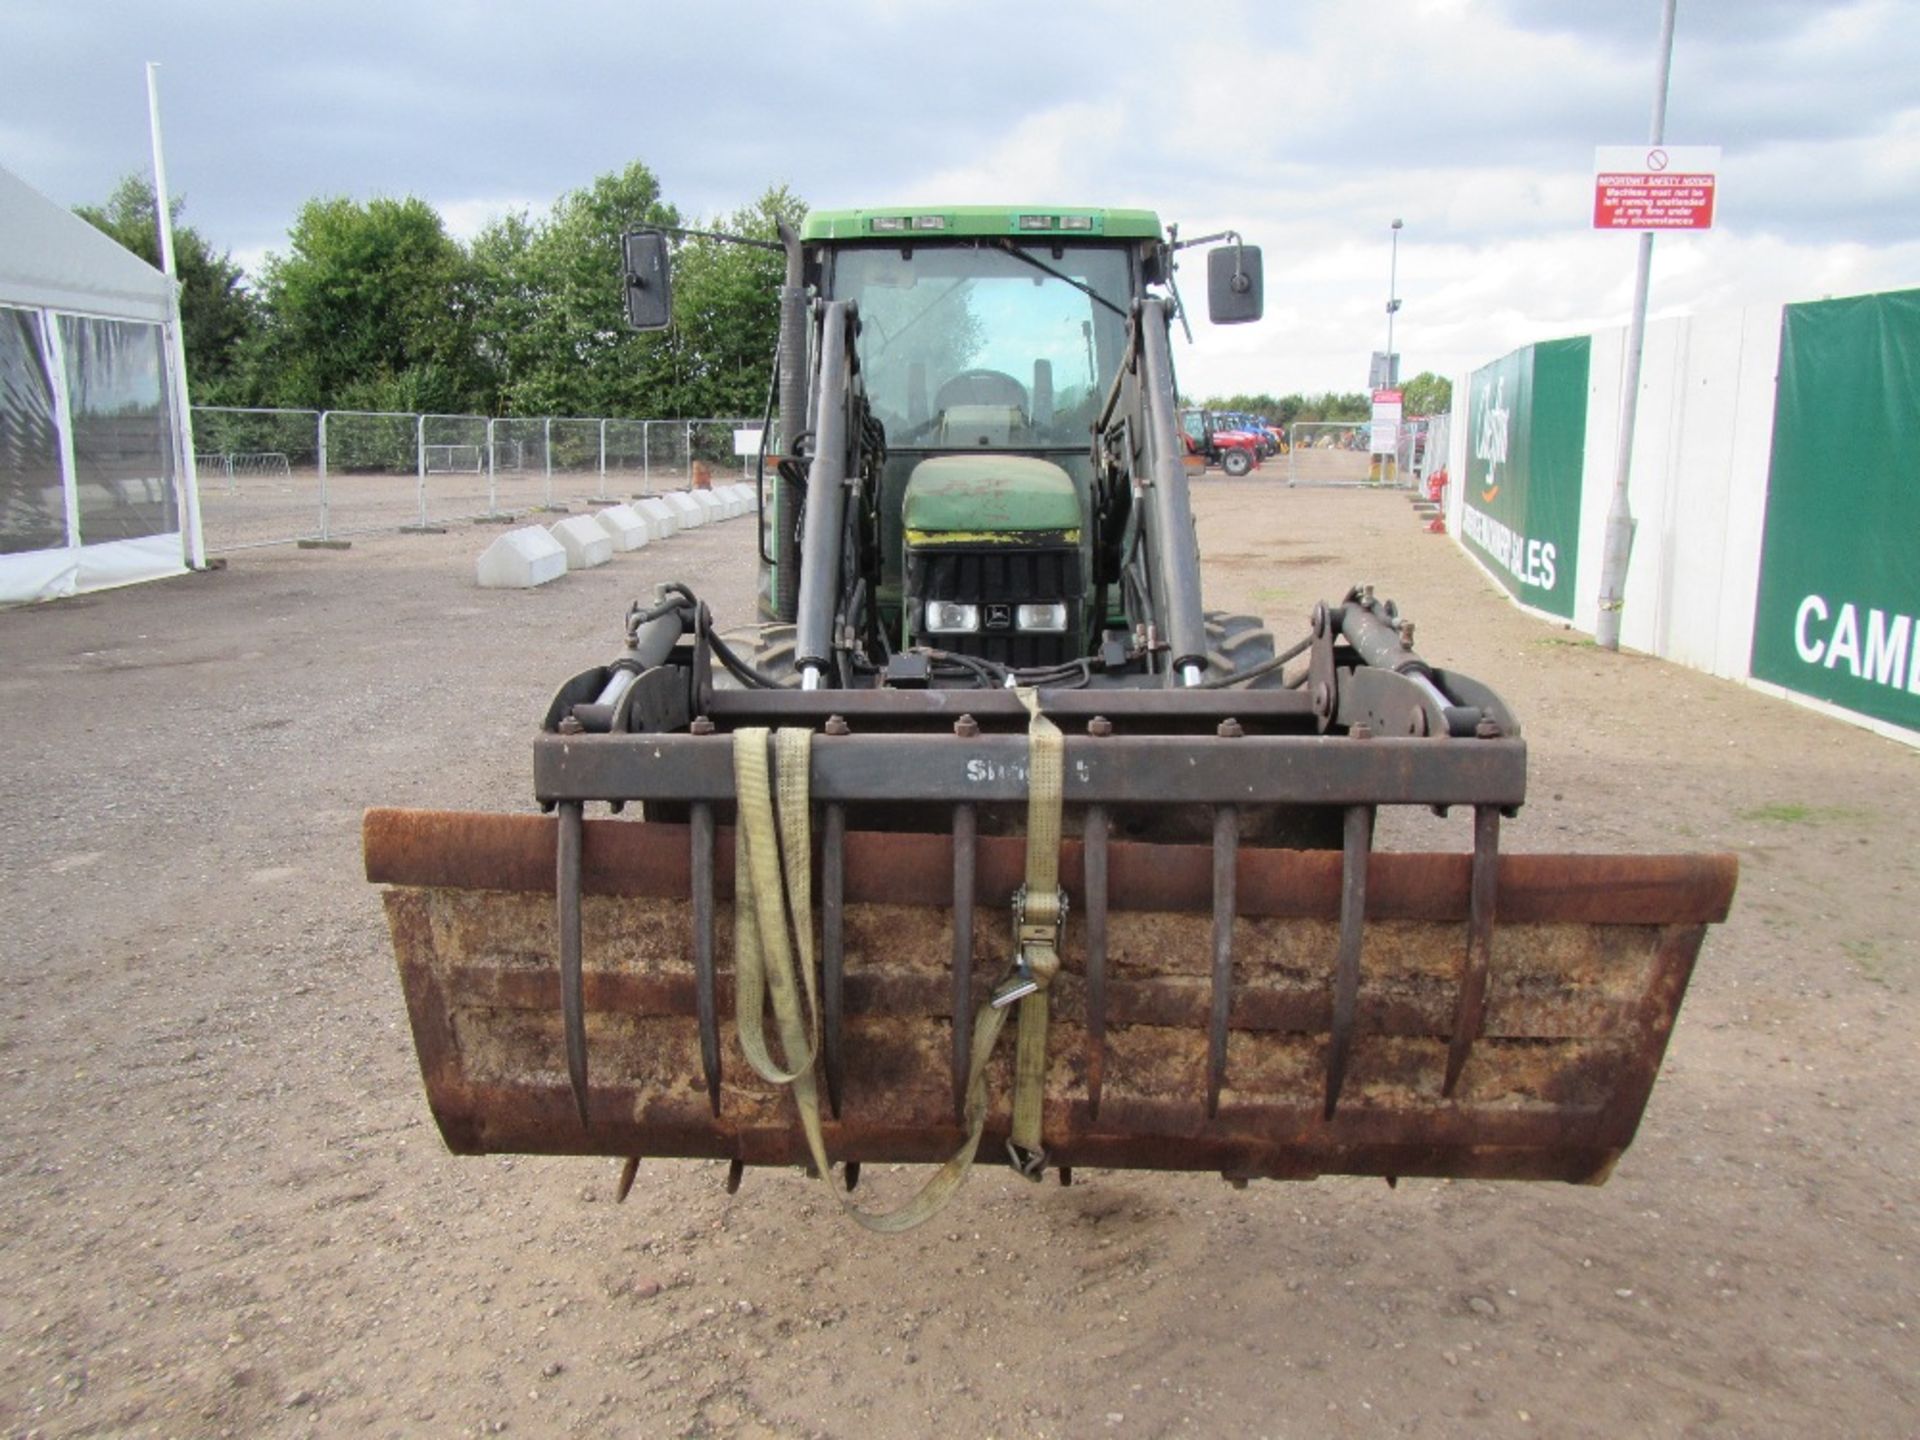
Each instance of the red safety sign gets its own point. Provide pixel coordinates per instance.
(1659, 188)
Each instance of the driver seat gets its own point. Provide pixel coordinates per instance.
(980, 387)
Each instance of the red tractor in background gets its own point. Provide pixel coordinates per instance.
(1237, 452)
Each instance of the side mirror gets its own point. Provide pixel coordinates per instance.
(649, 280)
(1234, 288)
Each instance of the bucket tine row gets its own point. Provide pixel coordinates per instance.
(1358, 841)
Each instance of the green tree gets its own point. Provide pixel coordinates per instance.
(218, 315)
(1283, 410)
(1427, 394)
(726, 314)
(552, 315)
(371, 308)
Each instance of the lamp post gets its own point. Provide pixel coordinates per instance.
(1383, 464)
(1393, 304)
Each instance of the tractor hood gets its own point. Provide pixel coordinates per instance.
(987, 499)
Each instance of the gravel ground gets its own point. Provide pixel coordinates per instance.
(224, 1211)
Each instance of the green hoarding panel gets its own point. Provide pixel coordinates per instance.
(1838, 609)
(1527, 418)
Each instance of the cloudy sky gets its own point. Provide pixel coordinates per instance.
(1307, 126)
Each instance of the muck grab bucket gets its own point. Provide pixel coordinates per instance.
(577, 986)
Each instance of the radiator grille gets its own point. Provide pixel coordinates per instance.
(1005, 578)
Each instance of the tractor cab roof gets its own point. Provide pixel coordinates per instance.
(928, 223)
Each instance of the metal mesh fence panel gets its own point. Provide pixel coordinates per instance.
(711, 444)
(627, 457)
(574, 446)
(453, 465)
(667, 454)
(274, 477)
(259, 475)
(370, 472)
(518, 462)
(1327, 452)
(1430, 448)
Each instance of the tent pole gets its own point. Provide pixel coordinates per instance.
(185, 467)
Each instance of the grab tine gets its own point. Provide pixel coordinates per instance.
(1226, 858)
(629, 1168)
(1471, 1015)
(833, 874)
(1094, 853)
(572, 998)
(700, 831)
(1353, 920)
(964, 832)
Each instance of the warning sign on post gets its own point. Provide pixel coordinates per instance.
(1637, 187)
(1384, 434)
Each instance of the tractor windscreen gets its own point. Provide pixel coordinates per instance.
(988, 345)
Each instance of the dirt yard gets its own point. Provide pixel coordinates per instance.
(224, 1210)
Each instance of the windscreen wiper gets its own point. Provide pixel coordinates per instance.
(1041, 265)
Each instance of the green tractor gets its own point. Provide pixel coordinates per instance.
(964, 360)
(987, 760)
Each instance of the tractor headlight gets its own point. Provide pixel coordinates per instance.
(950, 617)
(1050, 618)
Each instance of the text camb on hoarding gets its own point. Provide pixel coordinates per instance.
(1658, 188)
(1884, 649)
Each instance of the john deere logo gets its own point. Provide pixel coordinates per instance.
(999, 617)
(1490, 441)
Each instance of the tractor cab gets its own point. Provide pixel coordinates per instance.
(987, 341)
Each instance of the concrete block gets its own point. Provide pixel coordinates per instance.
(662, 519)
(586, 544)
(521, 559)
(627, 530)
(714, 504)
(689, 510)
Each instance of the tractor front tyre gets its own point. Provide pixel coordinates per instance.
(1237, 644)
(769, 648)
(1236, 463)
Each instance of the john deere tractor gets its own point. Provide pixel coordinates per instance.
(988, 757)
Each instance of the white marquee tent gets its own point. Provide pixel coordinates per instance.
(96, 475)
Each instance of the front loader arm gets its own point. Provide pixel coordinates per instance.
(833, 463)
(1173, 550)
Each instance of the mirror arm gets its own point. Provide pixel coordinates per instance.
(1214, 239)
(773, 245)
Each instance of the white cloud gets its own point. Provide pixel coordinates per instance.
(1045, 157)
(1306, 127)
(466, 216)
